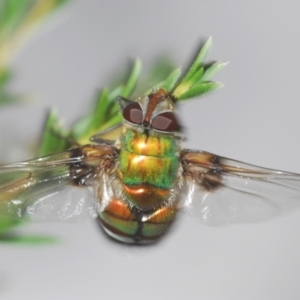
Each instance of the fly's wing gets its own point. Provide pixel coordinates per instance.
(222, 190)
(48, 187)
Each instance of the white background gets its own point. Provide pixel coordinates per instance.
(255, 118)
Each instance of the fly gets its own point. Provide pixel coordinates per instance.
(142, 179)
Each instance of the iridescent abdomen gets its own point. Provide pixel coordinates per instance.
(148, 172)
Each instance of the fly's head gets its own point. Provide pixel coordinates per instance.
(152, 114)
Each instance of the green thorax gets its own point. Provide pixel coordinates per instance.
(149, 159)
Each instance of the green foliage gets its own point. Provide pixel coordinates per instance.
(105, 113)
(53, 138)
(170, 81)
(196, 81)
(18, 19)
(5, 98)
(7, 234)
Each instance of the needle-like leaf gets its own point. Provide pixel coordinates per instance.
(8, 235)
(197, 80)
(169, 83)
(54, 138)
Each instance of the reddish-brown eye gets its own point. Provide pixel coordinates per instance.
(165, 122)
(133, 113)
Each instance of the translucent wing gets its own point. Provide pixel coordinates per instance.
(222, 190)
(31, 188)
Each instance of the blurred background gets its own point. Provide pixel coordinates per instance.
(82, 47)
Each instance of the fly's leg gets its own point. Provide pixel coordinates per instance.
(107, 136)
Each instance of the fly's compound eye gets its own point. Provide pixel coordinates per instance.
(165, 122)
(133, 113)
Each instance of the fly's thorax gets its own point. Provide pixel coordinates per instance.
(149, 168)
(150, 143)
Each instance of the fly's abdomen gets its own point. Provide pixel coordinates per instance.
(130, 225)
